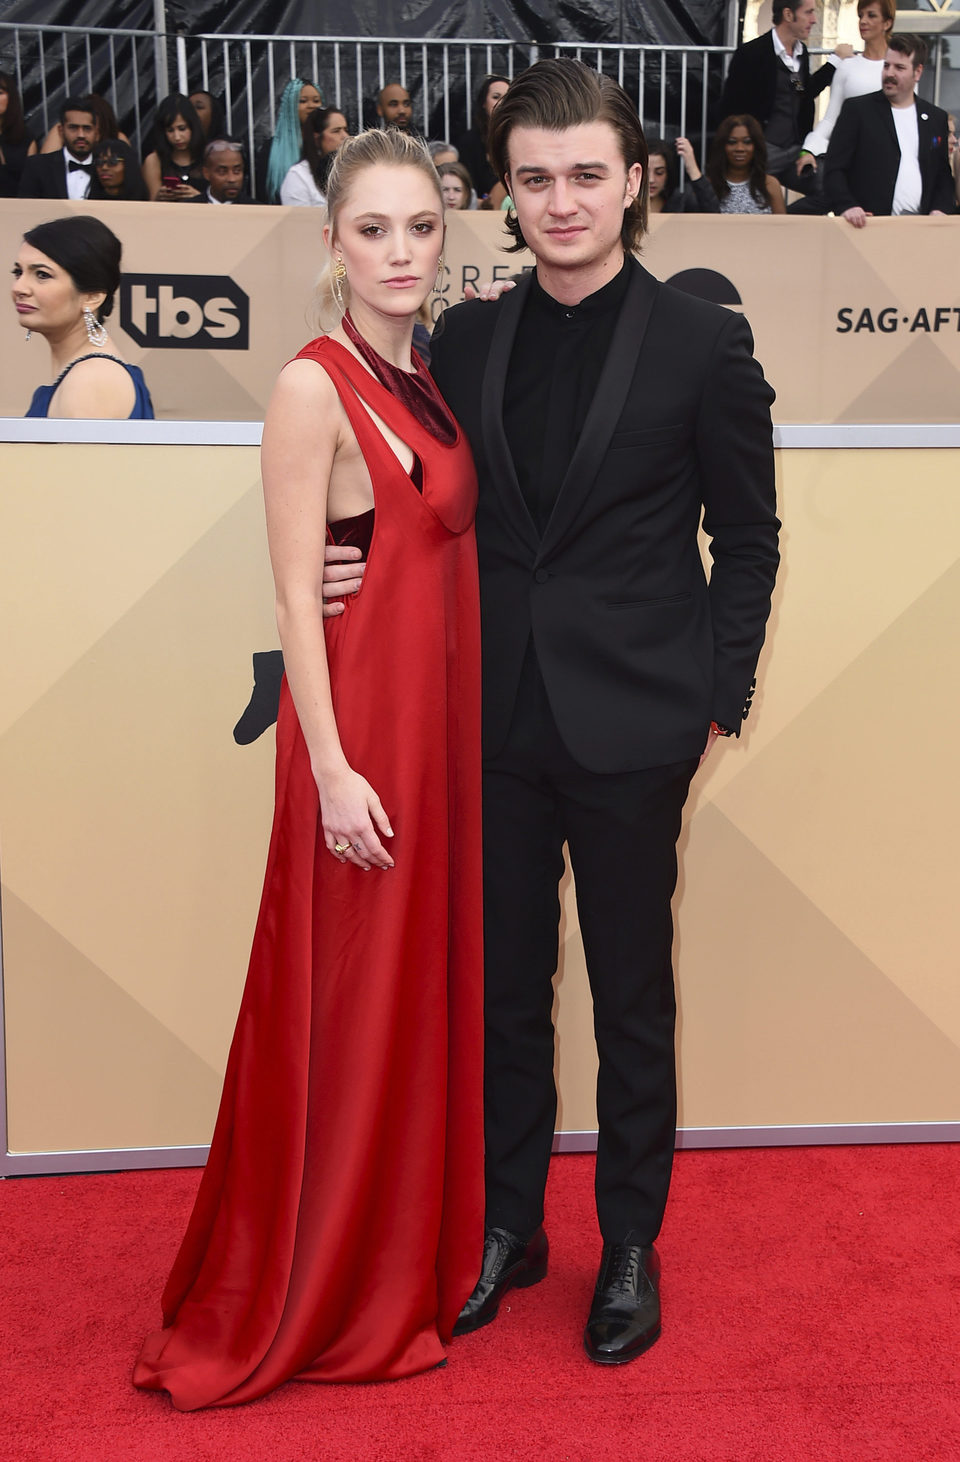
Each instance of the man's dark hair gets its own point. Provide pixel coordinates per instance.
(914, 47)
(558, 94)
(779, 6)
(86, 249)
(77, 104)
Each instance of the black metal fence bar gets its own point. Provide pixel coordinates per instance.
(673, 85)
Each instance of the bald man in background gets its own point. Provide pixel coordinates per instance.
(394, 107)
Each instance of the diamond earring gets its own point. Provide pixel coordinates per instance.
(96, 334)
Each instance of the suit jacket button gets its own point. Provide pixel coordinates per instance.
(541, 576)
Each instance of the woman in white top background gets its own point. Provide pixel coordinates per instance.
(856, 75)
(305, 185)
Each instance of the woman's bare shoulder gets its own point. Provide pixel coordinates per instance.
(305, 379)
(97, 387)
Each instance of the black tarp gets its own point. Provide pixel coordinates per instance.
(675, 22)
(129, 76)
(526, 23)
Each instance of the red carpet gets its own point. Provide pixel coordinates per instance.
(811, 1311)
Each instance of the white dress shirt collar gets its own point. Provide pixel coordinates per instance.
(789, 58)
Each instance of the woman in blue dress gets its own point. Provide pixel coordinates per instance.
(64, 280)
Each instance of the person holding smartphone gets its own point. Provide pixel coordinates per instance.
(173, 171)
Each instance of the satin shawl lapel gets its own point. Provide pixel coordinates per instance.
(606, 407)
(500, 464)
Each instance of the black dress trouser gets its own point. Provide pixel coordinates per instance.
(621, 830)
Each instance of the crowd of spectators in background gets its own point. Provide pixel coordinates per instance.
(766, 155)
(878, 149)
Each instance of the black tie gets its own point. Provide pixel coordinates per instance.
(81, 167)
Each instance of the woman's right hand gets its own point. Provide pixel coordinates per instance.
(352, 815)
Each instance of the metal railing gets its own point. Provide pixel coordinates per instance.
(673, 86)
(128, 67)
(134, 69)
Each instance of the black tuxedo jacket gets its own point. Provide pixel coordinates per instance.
(751, 84)
(863, 158)
(637, 652)
(45, 176)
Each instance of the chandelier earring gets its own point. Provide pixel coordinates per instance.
(28, 334)
(441, 271)
(339, 276)
(96, 334)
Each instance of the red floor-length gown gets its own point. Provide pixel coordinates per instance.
(339, 1223)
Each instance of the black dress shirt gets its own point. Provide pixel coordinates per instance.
(555, 364)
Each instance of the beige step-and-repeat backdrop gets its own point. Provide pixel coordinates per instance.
(816, 933)
(852, 325)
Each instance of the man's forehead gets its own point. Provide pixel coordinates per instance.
(395, 94)
(565, 147)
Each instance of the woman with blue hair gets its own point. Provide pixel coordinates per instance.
(298, 100)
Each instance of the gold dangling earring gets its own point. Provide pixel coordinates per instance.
(441, 271)
(96, 334)
(339, 275)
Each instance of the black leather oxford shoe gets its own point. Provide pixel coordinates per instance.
(625, 1314)
(508, 1263)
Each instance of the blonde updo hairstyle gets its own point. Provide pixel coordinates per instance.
(372, 148)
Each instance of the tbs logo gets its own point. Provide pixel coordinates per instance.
(185, 311)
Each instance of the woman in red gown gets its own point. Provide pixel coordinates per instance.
(339, 1223)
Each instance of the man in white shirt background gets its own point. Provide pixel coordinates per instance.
(889, 153)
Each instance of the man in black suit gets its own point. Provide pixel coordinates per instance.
(889, 152)
(769, 78)
(606, 412)
(224, 171)
(65, 174)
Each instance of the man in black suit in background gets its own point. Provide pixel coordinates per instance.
(605, 412)
(769, 78)
(67, 173)
(889, 152)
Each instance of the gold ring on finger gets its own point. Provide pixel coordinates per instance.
(341, 847)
